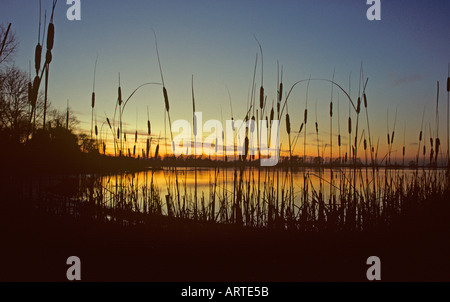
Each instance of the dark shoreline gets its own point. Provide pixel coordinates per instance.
(35, 246)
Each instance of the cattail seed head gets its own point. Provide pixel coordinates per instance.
(404, 150)
(358, 106)
(448, 84)
(278, 107)
(280, 93)
(129, 152)
(93, 100)
(365, 144)
(365, 100)
(118, 133)
(301, 128)
(48, 57)
(50, 36)
(109, 123)
(424, 150)
(96, 130)
(389, 141)
(317, 127)
(339, 140)
(306, 116)
(349, 125)
(156, 151)
(246, 147)
(271, 115)
(104, 148)
(438, 144)
(134, 150)
(149, 129)
(125, 137)
(431, 142)
(119, 93)
(135, 137)
(392, 137)
(261, 97)
(420, 136)
(37, 57)
(148, 147)
(288, 124)
(166, 99)
(331, 109)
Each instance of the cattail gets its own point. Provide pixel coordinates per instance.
(143, 154)
(301, 128)
(261, 97)
(278, 107)
(288, 124)
(50, 36)
(448, 84)
(365, 100)
(48, 57)
(148, 147)
(392, 137)
(119, 96)
(252, 124)
(317, 127)
(156, 151)
(365, 144)
(134, 150)
(306, 116)
(353, 150)
(125, 137)
(118, 133)
(135, 137)
(349, 125)
(403, 150)
(109, 123)
(246, 147)
(104, 148)
(166, 99)
(358, 106)
(96, 130)
(389, 141)
(331, 109)
(424, 150)
(438, 144)
(37, 57)
(339, 140)
(420, 136)
(93, 100)
(431, 142)
(129, 152)
(280, 93)
(149, 129)
(271, 115)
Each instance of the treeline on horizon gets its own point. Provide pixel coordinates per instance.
(32, 131)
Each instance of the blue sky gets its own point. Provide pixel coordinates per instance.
(404, 55)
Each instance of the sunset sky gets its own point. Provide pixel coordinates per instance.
(403, 55)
